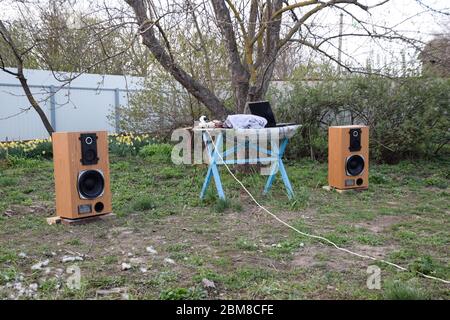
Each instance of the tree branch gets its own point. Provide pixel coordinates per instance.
(23, 81)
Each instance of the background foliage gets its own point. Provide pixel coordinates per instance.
(408, 118)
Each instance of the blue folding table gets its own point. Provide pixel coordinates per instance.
(218, 156)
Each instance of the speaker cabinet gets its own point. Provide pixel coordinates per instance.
(81, 163)
(348, 157)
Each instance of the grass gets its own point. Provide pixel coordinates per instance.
(143, 203)
(402, 291)
(403, 218)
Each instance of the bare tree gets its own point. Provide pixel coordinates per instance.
(254, 35)
(60, 38)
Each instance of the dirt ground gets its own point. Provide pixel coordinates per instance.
(164, 243)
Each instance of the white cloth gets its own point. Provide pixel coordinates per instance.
(245, 121)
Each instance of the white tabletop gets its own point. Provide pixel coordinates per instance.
(283, 131)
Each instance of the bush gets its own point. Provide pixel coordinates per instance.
(408, 118)
(161, 151)
(129, 144)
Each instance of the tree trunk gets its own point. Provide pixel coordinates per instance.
(265, 70)
(34, 104)
(149, 39)
(240, 76)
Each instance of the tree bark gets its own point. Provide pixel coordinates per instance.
(240, 76)
(33, 102)
(265, 69)
(149, 39)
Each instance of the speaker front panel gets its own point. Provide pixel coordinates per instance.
(82, 180)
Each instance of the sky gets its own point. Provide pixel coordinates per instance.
(408, 17)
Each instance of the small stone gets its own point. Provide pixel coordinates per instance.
(18, 286)
(71, 259)
(22, 255)
(143, 270)
(151, 250)
(125, 266)
(111, 291)
(208, 283)
(40, 265)
(136, 260)
(33, 287)
(9, 213)
(168, 260)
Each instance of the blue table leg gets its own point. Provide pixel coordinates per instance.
(278, 165)
(286, 181)
(273, 172)
(212, 168)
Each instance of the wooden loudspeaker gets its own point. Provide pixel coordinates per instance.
(81, 164)
(348, 157)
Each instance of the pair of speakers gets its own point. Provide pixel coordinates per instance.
(348, 157)
(81, 169)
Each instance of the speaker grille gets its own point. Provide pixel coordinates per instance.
(91, 184)
(355, 165)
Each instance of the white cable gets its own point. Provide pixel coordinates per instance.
(311, 235)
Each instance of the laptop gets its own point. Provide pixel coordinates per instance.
(263, 109)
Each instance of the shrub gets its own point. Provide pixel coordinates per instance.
(408, 118)
(129, 144)
(161, 151)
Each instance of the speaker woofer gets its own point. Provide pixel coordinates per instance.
(91, 184)
(355, 165)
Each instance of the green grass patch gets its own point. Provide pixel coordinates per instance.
(143, 203)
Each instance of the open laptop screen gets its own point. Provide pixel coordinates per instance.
(263, 109)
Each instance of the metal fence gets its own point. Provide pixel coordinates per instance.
(89, 102)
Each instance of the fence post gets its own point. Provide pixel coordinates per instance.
(117, 109)
(53, 107)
